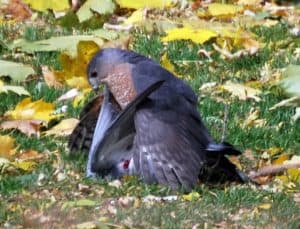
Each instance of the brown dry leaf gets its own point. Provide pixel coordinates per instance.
(64, 128)
(7, 149)
(28, 127)
(252, 119)
(30, 155)
(236, 161)
(16, 9)
(50, 78)
(28, 110)
(241, 91)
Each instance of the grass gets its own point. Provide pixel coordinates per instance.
(24, 195)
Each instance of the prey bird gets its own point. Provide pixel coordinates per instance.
(146, 124)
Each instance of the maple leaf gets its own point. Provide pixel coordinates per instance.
(241, 91)
(56, 5)
(217, 9)
(74, 69)
(133, 4)
(28, 110)
(199, 36)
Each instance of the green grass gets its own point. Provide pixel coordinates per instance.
(21, 195)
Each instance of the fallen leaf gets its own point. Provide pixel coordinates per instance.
(73, 71)
(241, 91)
(291, 83)
(166, 63)
(28, 110)
(50, 78)
(191, 196)
(24, 165)
(28, 127)
(69, 95)
(217, 9)
(30, 155)
(16, 9)
(199, 36)
(293, 101)
(136, 17)
(16, 89)
(7, 149)
(16, 71)
(62, 43)
(281, 159)
(265, 206)
(133, 4)
(102, 7)
(56, 5)
(64, 128)
(252, 119)
(87, 225)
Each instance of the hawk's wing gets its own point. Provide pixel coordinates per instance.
(116, 139)
(165, 148)
(82, 135)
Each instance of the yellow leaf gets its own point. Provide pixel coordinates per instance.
(166, 63)
(136, 17)
(24, 165)
(294, 174)
(74, 69)
(241, 91)
(7, 146)
(198, 36)
(217, 9)
(26, 110)
(191, 196)
(280, 159)
(56, 5)
(138, 4)
(64, 128)
(265, 206)
(81, 97)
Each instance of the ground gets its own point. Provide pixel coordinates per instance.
(56, 192)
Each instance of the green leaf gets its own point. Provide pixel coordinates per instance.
(17, 71)
(291, 83)
(85, 202)
(102, 7)
(63, 43)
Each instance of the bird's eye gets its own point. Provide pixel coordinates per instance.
(94, 74)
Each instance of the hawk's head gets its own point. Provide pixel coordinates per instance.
(113, 67)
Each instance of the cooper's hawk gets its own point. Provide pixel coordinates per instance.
(149, 126)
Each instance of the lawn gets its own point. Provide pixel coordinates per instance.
(56, 193)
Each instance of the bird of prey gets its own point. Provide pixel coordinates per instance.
(146, 123)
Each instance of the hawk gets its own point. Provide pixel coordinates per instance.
(146, 123)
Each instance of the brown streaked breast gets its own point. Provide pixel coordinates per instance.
(121, 85)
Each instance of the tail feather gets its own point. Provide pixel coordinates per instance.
(218, 168)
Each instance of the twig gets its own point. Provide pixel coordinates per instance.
(272, 170)
(225, 122)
